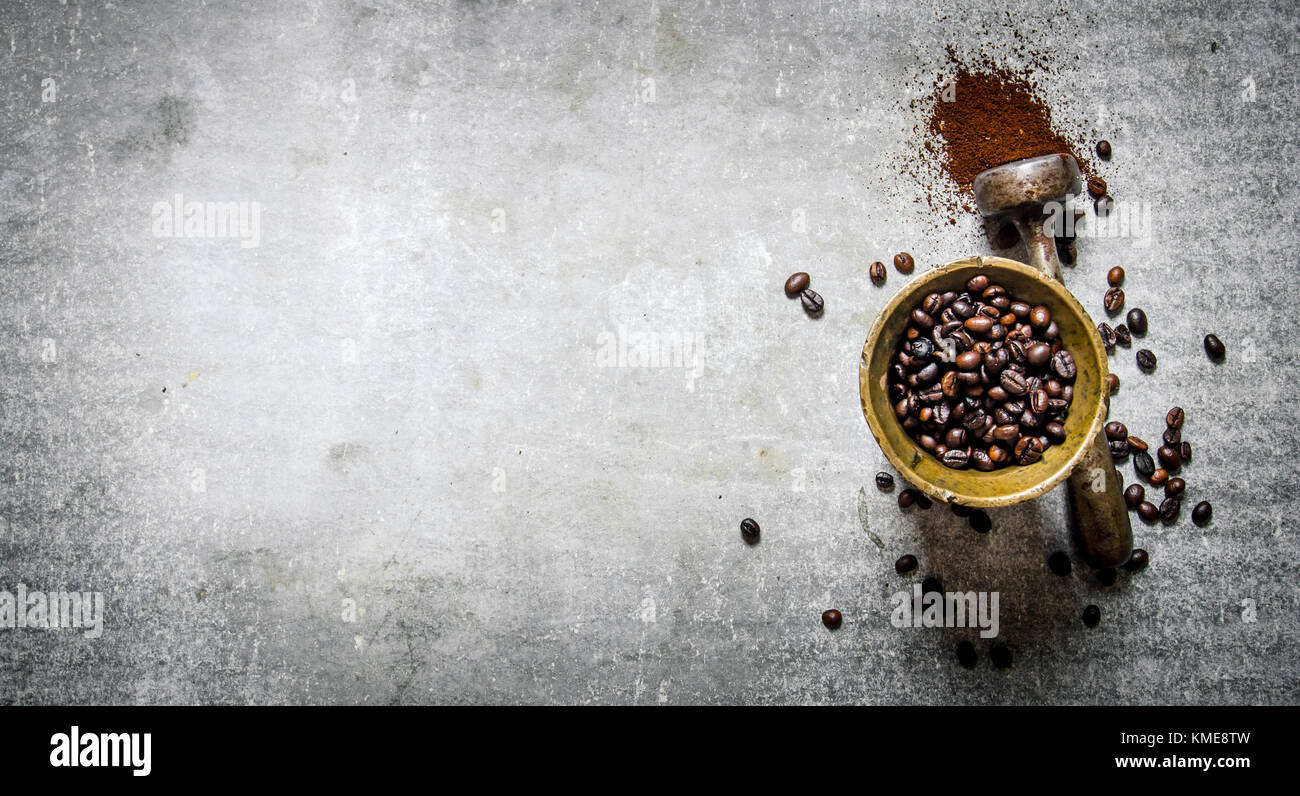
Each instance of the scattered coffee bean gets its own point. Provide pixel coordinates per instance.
(1160, 476)
(796, 284)
(749, 530)
(832, 619)
(1146, 360)
(1174, 418)
(923, 501)
(1097, 186)
(1119, 449)
(907, 497)
(1107, 336)
(979, 521)
(812, 302)
(1148, 511)
(905, 564)
(1143, 464)
(1202, 512)
(1186, 450)
(1112, 383)
(1122, 336)
(1092, 616)
(1059, 563)
(904, 262)
(877, 273)
(1175, 487)
(966, 654)
(1169, 508)
(1115, 276)
(884, 481)
(1134, 495)
(1001, 656)
(1136, 443)
(1114, 300)
(1137, 321)
(1170, 457)
(1172, 437)
(1103, 150)
(1106, 577)
(1214, 348)
(1138, 561)
(1116, 430)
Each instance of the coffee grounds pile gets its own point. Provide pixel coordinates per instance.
(995, 117)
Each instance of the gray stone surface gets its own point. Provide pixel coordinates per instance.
(389, 454)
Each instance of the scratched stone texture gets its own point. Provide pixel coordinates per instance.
(404, 450)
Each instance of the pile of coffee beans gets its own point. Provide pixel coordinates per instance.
(981, 379)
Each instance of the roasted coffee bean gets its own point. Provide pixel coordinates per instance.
(1115, 276)
(1001, 656)
(907, 497)
(979, 521)
(1038, 401)
(1202, 513)
(877, 273)
(1170, 457)
(1028, 450)
(1136, 443)
(1063, 364)
(922, 349)
(1040, 317)
(1059, 563)
(749, 530)
(905, 564)
(1146, 360)
(1116, 430)
(1092, 616)
(1186, 450)
(884, 481)
(1214, 348)
(1137, 321)
(980, 460)
(904, 262)
(955, 437)
(1169, 509)
(979, 324)
(1137, 561)
(812, 302)
(1143, 464)
(1119, 450)
(1038, 354)
(1014, 383)
(1122, 336)
(1103, 150)
(966, 654)
(1159, 477)
(832, 619)
(1107, 336)
(1114, 300)
(969, 360)
(1148, 511)
(1172, 437)
(1134, 495)
(1052, 332)
(1055, 431)
(1106, 577)
(976, 284)
(956, 458)
(1175, 487)
(1174, 417)
(796, 284)
(1096, 186)
(1112, 383)
(923, 501)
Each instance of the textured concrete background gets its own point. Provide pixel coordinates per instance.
(384, 456)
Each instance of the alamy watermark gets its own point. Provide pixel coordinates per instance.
(54, 610)
(631, 348)
(946, 609)
(181, 219)
(1123, 219)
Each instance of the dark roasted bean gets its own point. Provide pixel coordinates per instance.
(1040, 317)
(1137, 321)
(1028, 450)
(884, 481)
(877, 273)
(905, 564)
(1115, 276)
(1103, 150)
(749, 530)
(796, 284)
(1174, 418)
(1146, 360)
(1143, 464)
(1119, 450)
(904, 262)
(1148, 511)
(1134, 495)
(1202, 513)
(1063, 365)
(1114, 300)
(1116, 430)
(956, 458)
(1173, 436)
(1186, 450)
(832, 619)
(1112, 383)
(1059, 563)
(1137, 561)
(1169, 509)
(1107, 336)
(1175, 487)
(1170, 457)
(812, 302)
(1122, 336)
(1092, 616)
(907, 497)
(1214, 348)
